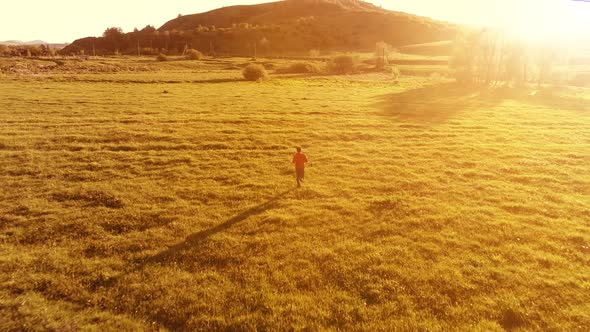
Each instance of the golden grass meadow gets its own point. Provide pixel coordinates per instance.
(139, 195)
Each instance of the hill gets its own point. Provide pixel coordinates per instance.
(283, 12)
(23, 45)
(19, 42)
(11, 42)
(283, 27)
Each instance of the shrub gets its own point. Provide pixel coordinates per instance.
(162, 57)
(193, 55)
(255, 72)
(147, 51)
(302, 68)
(343, 64)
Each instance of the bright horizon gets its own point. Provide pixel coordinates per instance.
(63, 21)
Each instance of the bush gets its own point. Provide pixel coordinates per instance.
(314, 53)
(255, 72)
(147, 51)
(343, 64)
(302, 68)
(162, 57)
(193, 55)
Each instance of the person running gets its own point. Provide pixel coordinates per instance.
(299, 159)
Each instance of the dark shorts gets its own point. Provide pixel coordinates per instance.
(300, 172)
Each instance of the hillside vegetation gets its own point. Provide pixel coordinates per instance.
(283, 27)
(165, 199)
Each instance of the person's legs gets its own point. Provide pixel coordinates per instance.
(300, 174)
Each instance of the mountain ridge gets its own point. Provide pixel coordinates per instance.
(277, 28)
(20, 42)
(259, 13)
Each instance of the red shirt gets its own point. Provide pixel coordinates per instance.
(299, 159)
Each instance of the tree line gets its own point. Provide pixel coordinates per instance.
(27, 50)
(239, 39)
(492, 57)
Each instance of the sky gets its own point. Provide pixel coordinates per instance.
(58, 21)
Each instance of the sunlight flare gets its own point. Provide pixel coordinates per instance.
(548, 21)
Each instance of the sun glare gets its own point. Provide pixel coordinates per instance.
(551, 21)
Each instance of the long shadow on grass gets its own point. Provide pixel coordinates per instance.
(195, 239)
(553, 97)
(439, 103)
(433, 104)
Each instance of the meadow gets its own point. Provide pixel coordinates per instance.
(160, 196)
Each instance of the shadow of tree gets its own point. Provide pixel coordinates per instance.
(558, 98)
(439, 103)
(431, 104)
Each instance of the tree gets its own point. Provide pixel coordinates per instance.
(148, 29)
(463, 59)
(544, 58)
(113, 32)
(343, 64)
(4, 50)
(516, 64)
(114, 39)
(479, 57)
(381, 49)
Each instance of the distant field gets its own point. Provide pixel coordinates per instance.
(164, 198)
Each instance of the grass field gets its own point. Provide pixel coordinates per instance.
(164, 198)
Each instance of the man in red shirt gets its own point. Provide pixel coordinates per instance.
(299, 159)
